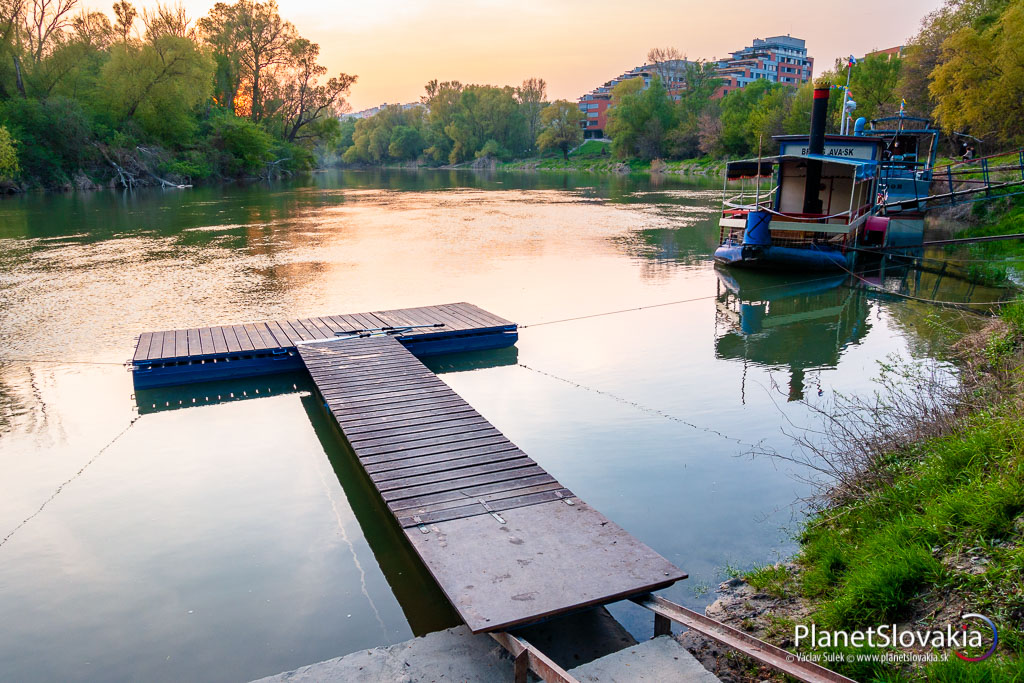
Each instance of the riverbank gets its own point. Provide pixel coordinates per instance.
(594, 156)
(933, 530)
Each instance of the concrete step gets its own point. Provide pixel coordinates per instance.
(662, 660)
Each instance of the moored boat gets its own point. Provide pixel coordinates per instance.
(815, 203)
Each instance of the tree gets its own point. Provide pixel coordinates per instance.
(639, 119)
(170, 20)
(406, 143)
(250, 41)
(560, 127)
(531, 95)
(303, 100)
(924, 52)
(43, 22)
(664, 62)
(125, 15)
(979, 82)
(159, 82)
(8, 156)
(873, 84)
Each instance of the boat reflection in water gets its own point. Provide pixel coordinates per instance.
(779, 322)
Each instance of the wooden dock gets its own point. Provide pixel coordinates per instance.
(505, 541)
(203, 354)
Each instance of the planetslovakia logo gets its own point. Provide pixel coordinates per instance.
(995, 639)
(960, 640)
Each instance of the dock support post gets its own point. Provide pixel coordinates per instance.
(529, 658)
(662, 625)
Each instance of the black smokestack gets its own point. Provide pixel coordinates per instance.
(812, 201)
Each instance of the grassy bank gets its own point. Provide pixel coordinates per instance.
(936, 531)
(594, 156)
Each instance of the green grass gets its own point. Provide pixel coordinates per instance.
(894, 554)
(771, 579)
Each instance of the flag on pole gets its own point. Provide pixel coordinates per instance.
(852, 61)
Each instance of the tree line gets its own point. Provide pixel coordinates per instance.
(150, 95)
(455, 123)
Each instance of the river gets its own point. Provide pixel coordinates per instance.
(175, 535)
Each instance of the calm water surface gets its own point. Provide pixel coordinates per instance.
(175, 536)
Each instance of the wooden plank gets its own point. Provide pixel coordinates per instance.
(284, 341)
(474, 508)
(399, 442)
(422, 429)
(232, 339)
(317, 328)
(476, 450)
(482, 491)
(496, 320)
(297, 329)
(459, 499)
(468, 319)
(180, 343)
(313, 330)
(243, 338)
(410, 412)
(254, 337)
(142, 346)
(206, 341)
(441, 444)
(194, 347)
(220, 344)
(385, 484)
(428, 464)
(267, 340)
(464, 482)
(156, 345)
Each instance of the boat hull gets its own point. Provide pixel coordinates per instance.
(780, 258)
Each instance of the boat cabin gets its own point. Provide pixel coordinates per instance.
(846, 196)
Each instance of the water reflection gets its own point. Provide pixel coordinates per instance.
(801, 325)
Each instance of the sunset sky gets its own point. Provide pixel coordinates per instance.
(395, 46)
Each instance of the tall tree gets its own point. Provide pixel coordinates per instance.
(979, 82)
(664, 62)
(168, 20)
(531, 95)
(561, 127)
(124, 14)
(159, 82)
(303, 100)
(254, 34)
(43, 22)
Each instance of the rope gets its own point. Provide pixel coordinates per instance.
(76, 475)
(639, 406)
(667, 303)
(946, 304)
(61, 362)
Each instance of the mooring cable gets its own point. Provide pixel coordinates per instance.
(76, 475)
(638, 406)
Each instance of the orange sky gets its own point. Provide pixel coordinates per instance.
(395, 46)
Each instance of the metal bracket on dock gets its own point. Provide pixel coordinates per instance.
(490, 511)
(424, 529)
(567, 501)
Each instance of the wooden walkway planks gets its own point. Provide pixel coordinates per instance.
(505, 541)
(284, 334)
(416, 437)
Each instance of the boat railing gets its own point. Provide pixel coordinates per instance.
(761, 200)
